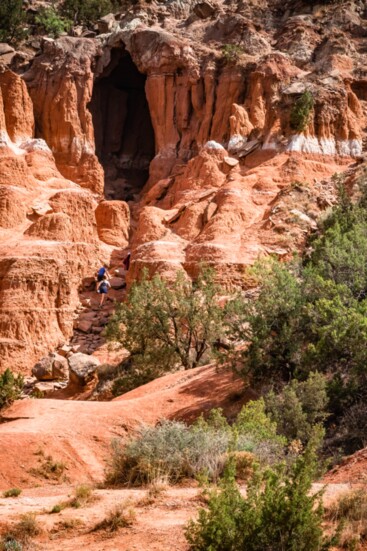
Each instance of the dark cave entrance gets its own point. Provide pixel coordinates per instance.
(123, 128)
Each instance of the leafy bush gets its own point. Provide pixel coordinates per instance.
(168, 450)
(312, 316)
(167, 326)
(271, 327)
(7, 543)
(301, 111)
(299, 407)
(57, 508)
(85, 12)
(51, 22)
(12, 17)
(353, 426)
(10, 388)
(278, 512)
(253, 420)
(13, 492)
(173, 450)
(231, 52)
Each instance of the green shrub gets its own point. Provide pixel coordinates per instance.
(12, 18)
(85, 12)
(353, 426)
(172, 450)
(311, 315)
(271, 327)
(278, 512)
(9, 544)
(11, 387)
(13, 492)
(299, 407)
(253, 420)
(301, 111)
(51, 23)
(167, 326)
(57, 508)
(231, 52)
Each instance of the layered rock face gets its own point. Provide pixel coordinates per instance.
(49, 238)
(183, 119)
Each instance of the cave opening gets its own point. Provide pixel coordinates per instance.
(124, 135)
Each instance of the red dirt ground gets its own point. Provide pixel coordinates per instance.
(79, 433)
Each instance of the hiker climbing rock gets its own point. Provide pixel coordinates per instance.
(102, 272)
(103, 287)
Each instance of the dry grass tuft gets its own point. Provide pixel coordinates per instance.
(119, 517)
(49, 469)
(349, 512)
(83, 495)
(12, 492)
(21, 533)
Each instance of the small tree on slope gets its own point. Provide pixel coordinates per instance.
(166, 326)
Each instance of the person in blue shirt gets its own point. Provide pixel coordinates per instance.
(103, 271)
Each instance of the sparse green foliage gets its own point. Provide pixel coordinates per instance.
(301, 111)
(85, 12)
(173, 450)
(10, 388)
(278, 512)
(272, 325)
(8, 543)
(167, 326)
(83, 494)
(21, 533)
(57, 508)
(12, 19)
(299, 407)
(50, 22)
(231, 52)
(253, 420)
(312, 316)
(49, 469)
(12, 492)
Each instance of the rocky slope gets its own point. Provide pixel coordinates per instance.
(181, 117)
(79, 433)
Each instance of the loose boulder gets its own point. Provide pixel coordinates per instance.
(53, 366)
(204, 9)
(107, 23)
(82, 368)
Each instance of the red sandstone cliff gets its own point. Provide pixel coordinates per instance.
(193, 135)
